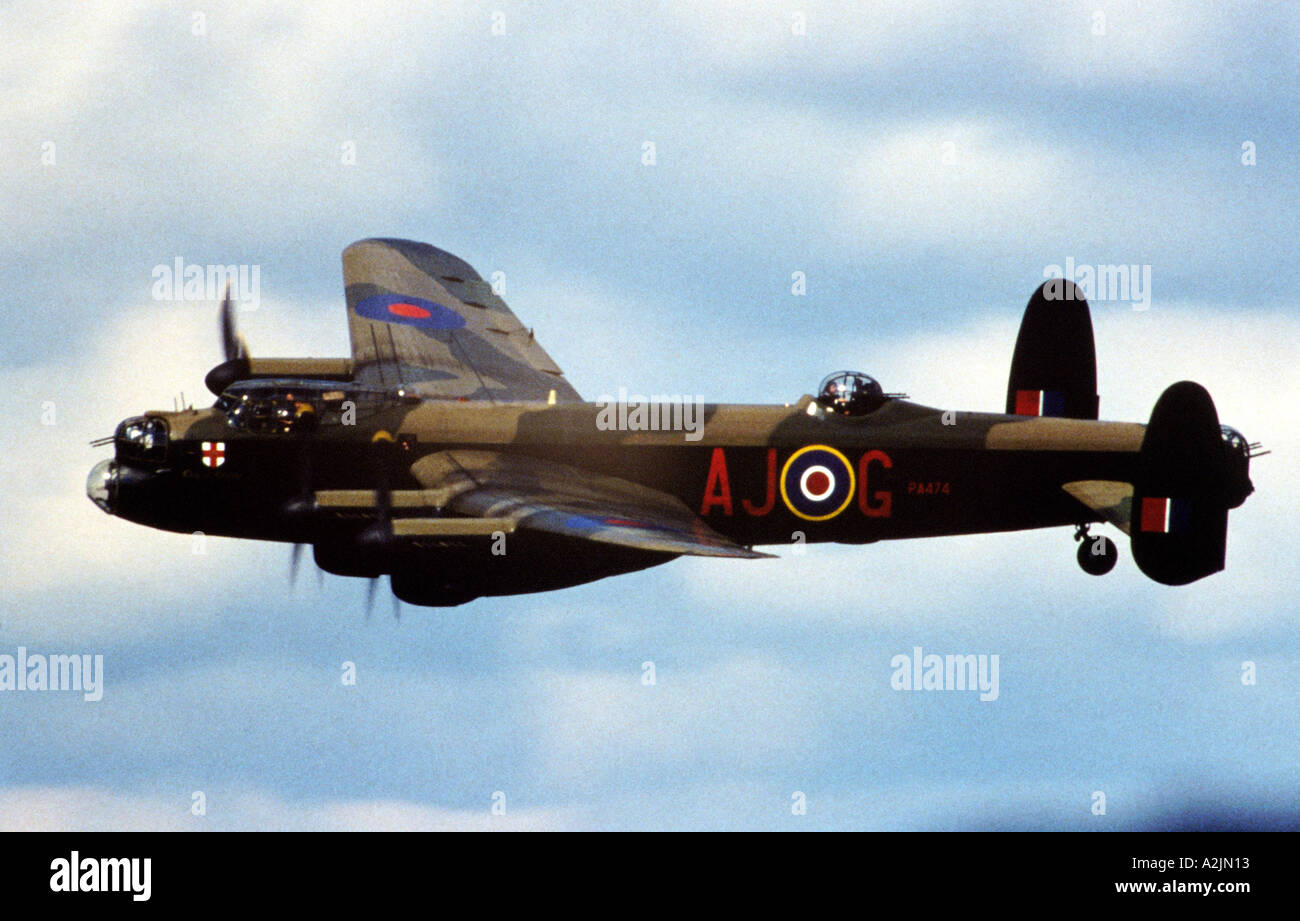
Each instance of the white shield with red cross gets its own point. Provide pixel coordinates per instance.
(214, 453)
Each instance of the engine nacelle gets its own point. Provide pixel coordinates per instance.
(431, 591)
(347, 559)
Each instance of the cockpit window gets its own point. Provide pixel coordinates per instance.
(142, 438)
(851, 393)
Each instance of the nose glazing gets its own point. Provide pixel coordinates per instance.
(101, 485)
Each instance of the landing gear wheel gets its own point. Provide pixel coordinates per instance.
(1097, 555)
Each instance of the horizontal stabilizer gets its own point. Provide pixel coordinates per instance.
(1110, 499)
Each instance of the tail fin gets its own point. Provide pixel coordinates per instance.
(1054, 368)
(1182, 489)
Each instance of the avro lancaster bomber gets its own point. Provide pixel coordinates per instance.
(450, 454)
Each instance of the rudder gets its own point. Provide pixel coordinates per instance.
(1180, 493)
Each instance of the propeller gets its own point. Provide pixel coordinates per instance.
(236, 365)
(304, 505)
(232, 341)
(380, 535)
(372, 588)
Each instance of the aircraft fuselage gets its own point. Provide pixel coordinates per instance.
(760, 474)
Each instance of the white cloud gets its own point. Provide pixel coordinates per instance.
(251, 136)
(55, 537)
(603, 726)
(93, 809)
(1142, 42)
(949, 181)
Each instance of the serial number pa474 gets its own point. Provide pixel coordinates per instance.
(929, 488)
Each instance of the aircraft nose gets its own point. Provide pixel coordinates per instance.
(101, 485)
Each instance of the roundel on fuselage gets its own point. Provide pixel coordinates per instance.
(817, 483)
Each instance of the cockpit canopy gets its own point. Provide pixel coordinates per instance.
(272, 405)
(142, 438)
(851, 393)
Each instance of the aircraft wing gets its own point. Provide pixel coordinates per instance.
(422, 319)
(559, 499)
(1110, 499)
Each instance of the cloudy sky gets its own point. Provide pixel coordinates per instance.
(920, 163)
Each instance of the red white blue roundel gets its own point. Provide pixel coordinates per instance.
(817, 483)
(410, 311)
